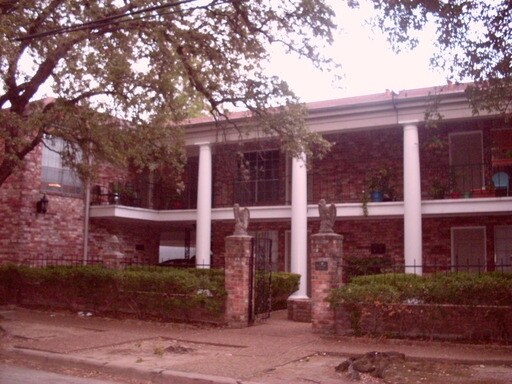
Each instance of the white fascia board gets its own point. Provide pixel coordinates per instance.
(141, 214)
(467, 207)
(363, 115)
(429, 208)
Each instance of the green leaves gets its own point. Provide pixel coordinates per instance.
(472, 39)
(443, 288)
(151, 65)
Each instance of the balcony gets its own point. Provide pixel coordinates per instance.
(143, 195)
(482, 180)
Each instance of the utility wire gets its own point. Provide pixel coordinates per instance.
(106, 20)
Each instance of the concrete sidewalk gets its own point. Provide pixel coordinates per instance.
(273, 352)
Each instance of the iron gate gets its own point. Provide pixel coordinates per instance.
(260, 289)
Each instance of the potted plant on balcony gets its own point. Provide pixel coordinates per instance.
(379, 185)
(454, 191)
(437, 190)
(114, 195)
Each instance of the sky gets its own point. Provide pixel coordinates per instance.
(368, 64)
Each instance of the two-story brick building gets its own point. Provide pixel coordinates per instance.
(446, 204)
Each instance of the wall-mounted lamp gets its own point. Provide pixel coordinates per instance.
(42, 205)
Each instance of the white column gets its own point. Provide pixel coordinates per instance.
(299, 236)
(412, 201)
(204, 206)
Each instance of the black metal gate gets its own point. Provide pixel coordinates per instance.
(260, 289)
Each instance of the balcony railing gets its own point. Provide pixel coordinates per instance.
(259, 192)
(149, 195)
(466, 181)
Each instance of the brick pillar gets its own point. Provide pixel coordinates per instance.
(326, 259)
(237, 277)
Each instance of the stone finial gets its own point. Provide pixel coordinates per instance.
(241, 220)
(327, 217)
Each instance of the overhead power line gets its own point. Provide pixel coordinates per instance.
(106, 20)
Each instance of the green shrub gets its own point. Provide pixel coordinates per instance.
(283, 285)
(359, 266)
(148, 292)
(446, 288)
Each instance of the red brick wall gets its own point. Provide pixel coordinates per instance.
(473, 323)
(360, 234)
(340, 177)
(437, 237)
(138, 242)
(26, 235)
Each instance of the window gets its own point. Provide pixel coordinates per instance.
(466, 159)
(258, 180)
(55, 177)
(468, 249)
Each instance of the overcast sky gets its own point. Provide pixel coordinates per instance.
(368, 63)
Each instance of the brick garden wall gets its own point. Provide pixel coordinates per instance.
(453, 322)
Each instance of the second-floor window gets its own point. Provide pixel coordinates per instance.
(55, 176)
(466, 160)
(258, 180)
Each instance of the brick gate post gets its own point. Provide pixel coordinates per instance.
(326, 268)
(238, 273)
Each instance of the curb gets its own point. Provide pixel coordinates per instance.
(155, 376)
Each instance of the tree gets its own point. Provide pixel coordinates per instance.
(473, 40)
(128, 73)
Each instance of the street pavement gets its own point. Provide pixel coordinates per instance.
(21, 375)
(276, 351)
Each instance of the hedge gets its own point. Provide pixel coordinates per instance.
(492, 288)
(146, 292)
(447, 306)
(163, 293)
(283, 285)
